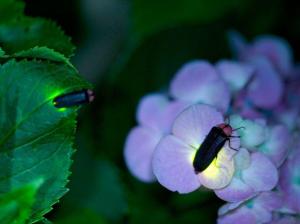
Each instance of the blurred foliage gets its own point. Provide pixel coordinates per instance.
(10, 9)
(82, 216)
(26, 33)
(15, 206)
(162, 36)
(103, 192)
(153, 16)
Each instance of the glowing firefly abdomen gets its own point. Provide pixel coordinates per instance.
(210, 147)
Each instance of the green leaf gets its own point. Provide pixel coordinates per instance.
(44, 221)
(152, 16)
(10, 9)
(15, 206)
(36, 139)
(25, 33)
(43, 53)
(2, 53)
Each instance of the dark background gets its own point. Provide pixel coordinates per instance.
(130, 48)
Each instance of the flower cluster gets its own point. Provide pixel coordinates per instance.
(257, 170)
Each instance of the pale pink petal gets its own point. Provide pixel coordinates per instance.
(172, 110)
(277, 50)
(253, 134)
(250, 113)
(198, 82)
(242, 159)
(238, 216)
(150, 110)
(277, 146)
(228, 207)
(220, 172)
(266, 89)
(194, 123)
(279, 218)
(236, 191)
(173, 165)
(235, 74)
(262, 174)
(270, 200)
(290, 180)
(261, 214)
(139, 148)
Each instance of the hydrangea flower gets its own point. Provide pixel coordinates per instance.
(235, 74)
(174, 155)
(274, 142)
(290, 181)
(273, 48)
(155, 115)
(199, 82)
(254, 173)
(281, 218)
(256, 210)
(259, 93)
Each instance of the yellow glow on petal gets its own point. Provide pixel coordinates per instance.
(212, 171)
(219, 173)
(192, 156)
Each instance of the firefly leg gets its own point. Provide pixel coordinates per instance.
(228, 118)
(238, 128)
(230, 143)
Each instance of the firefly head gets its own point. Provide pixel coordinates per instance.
(227, 129)
(91, 95)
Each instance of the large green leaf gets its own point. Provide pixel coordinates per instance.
(15, 206)
(36, 138)
(42, 53)
(24, 33)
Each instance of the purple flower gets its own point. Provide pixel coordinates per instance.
(266, 89)
(235, 74)
(276, 147)
(273, 48)
(274, 142)
(289, 181)
(254, 132)
(174, 155)
(256, 210)
(199, 82)
(260, 94)
(271, 59)
(139, 148)
(281, 218)
(254, 173)
(155, 115)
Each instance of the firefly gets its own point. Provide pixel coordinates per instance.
(212, 144)
(74, 98)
